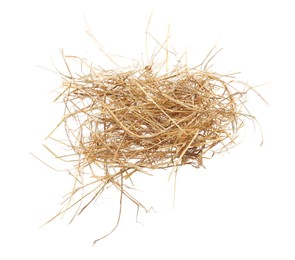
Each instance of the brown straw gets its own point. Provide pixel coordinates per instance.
(124, 121)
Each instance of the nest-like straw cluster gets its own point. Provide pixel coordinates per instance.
(124, 121)
(140, 120)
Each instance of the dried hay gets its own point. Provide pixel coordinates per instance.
(127, 121)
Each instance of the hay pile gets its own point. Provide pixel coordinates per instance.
(126, 121)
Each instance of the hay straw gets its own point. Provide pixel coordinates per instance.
(124, 121)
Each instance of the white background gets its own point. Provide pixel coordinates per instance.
(240, 207)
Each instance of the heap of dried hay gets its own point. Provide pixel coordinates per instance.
(121, 122)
